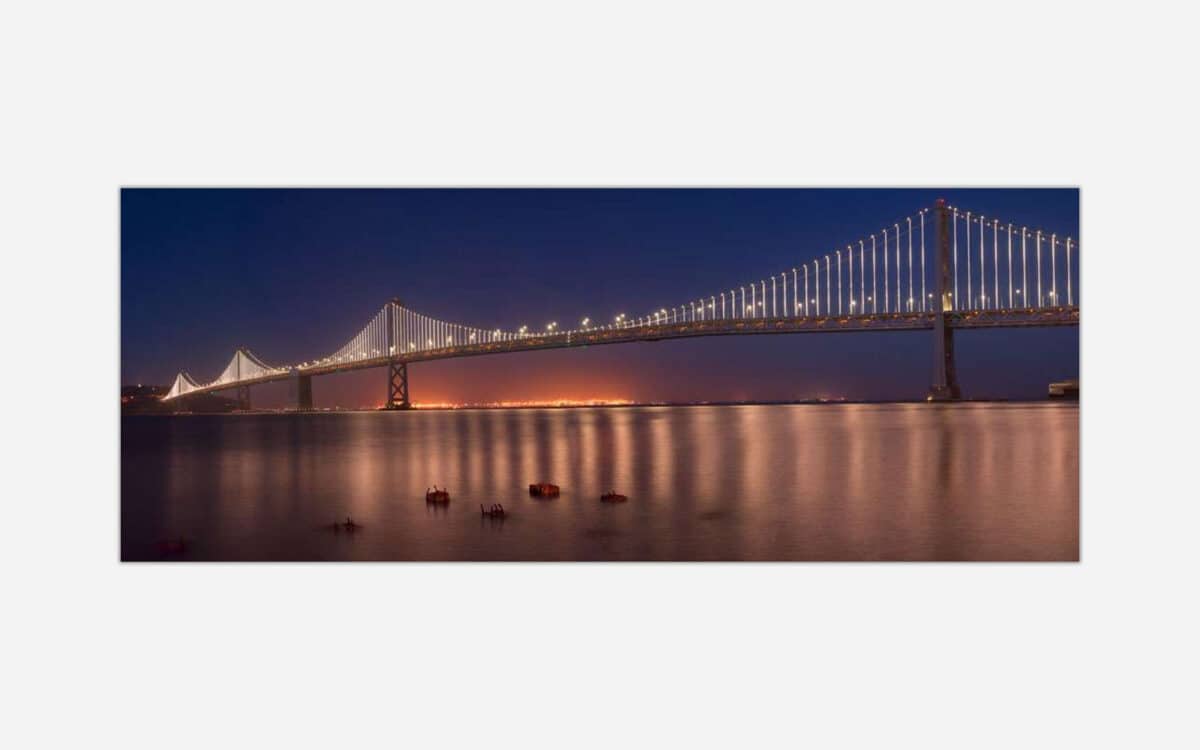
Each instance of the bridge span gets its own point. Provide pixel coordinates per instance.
(791, 302)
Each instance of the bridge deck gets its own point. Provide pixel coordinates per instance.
(915, 321)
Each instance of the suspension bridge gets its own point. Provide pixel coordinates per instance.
(940, 269)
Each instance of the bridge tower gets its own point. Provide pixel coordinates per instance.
(397, 397)
(397, 393)
(945, 378)
(242, 392)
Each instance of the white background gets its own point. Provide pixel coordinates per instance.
(99, 95)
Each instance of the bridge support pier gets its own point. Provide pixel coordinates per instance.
(945, 377)
(300, 392)
(243, 397)
(397, 396)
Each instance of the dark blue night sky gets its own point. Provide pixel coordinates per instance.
(293, 274)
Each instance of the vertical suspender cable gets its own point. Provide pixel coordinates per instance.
(954, 306)
(887, 303)
(828, 288)
(1010, 275)
(850, 276)
(898, 305)
(839, 270)
(874, 288)
(1024, 290)
(1039, 268)
(1070, 301)
(996, 263)
(862, 286)
(982, 268)
(970, 294)
(1054, 268)
(910, 266)
(923, 294)
(817, 281)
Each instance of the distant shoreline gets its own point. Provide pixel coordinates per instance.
(637, 405)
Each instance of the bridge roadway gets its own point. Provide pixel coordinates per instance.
(915, 321)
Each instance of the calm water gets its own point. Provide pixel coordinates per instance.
(836, 482)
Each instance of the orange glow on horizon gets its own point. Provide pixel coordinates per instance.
(537, 403)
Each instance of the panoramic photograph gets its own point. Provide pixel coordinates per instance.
(592, 376)
(618, 375)
(599, 375)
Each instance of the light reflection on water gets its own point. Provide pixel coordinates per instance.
(830, 482)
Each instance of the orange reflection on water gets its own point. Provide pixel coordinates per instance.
(802, 482)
